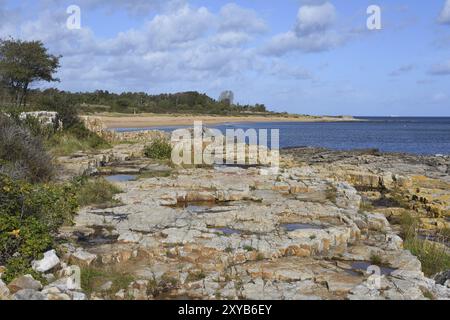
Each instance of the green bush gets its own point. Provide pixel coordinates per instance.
(22, 155)
(159, 149)
(53, 205)
(95, 192)
(22, 240)
(30, 215)
(93, 278)
(433, 256)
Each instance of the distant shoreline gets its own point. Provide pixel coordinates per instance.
(122, 121)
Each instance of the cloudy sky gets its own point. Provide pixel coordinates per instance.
(302, 56)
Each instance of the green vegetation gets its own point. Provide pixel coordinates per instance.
(196, 276)
(365, 206)
(96, 191)
(432, 255)
(29, 217)
(23, 63)
(22, 155)
(159, 149)
(260, 256)
(139, 102)
(248, 248)
(375, 259)
(93, 278)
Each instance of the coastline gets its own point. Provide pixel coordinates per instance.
(122, 121)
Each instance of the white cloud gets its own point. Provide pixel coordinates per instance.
(312, 33)
(444, 16)
(235, 18)
(315, 18)
(231, 38)
(316, 42)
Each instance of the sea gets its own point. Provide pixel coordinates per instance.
(415, 135)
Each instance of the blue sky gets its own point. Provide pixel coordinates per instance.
(300, 56)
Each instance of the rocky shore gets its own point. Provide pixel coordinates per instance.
(325, 227)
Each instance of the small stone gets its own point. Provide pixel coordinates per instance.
(2, 270)
(120, 295)
(58, 297)
(78, 296)
(106, 286)
(24, 282)
(130, 237)
(49, 262)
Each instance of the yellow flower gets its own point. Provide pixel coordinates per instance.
(15, 233)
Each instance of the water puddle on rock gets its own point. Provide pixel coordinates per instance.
(359, 267)
(121, 178)
(300, 226)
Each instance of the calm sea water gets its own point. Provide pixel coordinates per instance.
(393, 134)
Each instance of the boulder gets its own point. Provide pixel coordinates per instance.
(377, 222)
(4, 291)
(29, 294)
(82, 258)
(23, 283)
(49, 262)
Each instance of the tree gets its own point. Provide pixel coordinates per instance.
(25, 62)
(227, 97)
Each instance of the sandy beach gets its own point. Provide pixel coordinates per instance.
(153, 120)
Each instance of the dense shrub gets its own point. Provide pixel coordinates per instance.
(22, 240)
(22, 155)
(158, 149)
(433, 255)
(29, 217)
(53, 204)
